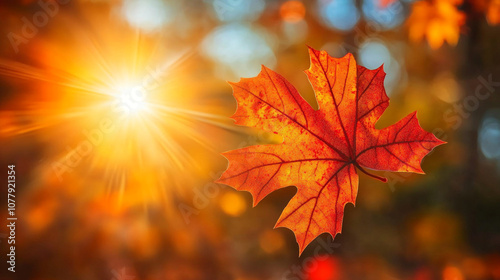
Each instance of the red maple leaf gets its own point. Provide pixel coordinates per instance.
(322, 149)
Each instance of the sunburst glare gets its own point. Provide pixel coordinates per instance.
(118, 107)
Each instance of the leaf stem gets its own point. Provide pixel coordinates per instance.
(383, 179)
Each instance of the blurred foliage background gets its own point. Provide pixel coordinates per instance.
(112, 188)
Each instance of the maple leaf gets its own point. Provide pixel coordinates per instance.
(322, 149)
(436, 20)
(491, 8)
(493, 12)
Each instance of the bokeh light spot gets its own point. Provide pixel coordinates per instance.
(295, 32)
(372, 54)
(489, 137)
(238, 10)
(327, 268)
(446, 88)
(232, 204)
(271, 241)
(147, 14)
(452, 273)
(384, 18)
(243, 51)
(339, 14)
(292, 11)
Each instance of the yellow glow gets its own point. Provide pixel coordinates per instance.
(233, 204)
(130, 106)
(452, 273)
(271, 241)
(133, 100)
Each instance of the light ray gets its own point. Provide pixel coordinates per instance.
(65, 100)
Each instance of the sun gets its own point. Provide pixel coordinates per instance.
(120, 108)
(132, 101)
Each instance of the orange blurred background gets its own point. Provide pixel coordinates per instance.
(115, 114)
